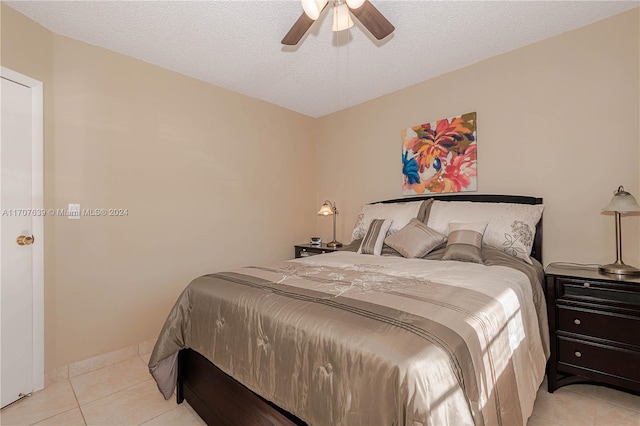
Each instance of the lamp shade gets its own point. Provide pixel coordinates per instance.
(325, 210)
(622, 202)
(312, 8)
(355, 4)
(341, 17)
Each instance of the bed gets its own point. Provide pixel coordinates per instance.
(359, 339)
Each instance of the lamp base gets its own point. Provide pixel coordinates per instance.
(619, 268)
(334, 244)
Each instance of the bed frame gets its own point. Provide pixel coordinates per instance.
(221, 400)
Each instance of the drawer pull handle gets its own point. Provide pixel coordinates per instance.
(587, 285)
(576, 321)
(578, 354)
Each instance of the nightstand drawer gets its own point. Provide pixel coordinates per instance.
(599, 358)
(600, 292)
(604, 325)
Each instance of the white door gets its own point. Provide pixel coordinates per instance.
(20, 361)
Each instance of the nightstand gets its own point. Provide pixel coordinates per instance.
(594, 328)
(305, 250)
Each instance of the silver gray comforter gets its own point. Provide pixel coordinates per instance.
(348, 339)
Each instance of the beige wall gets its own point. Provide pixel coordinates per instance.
(557, 119)
(211, 179)
(28, 48)
(214, 180)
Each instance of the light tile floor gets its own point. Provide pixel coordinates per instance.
(119, 394)
(125, 394)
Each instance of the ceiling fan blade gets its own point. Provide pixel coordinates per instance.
(373, 20)
(298, 30)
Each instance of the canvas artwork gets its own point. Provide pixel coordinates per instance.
(440, 156)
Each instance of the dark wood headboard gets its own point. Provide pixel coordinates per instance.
(536, 250)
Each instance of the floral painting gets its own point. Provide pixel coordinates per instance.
(440, 157)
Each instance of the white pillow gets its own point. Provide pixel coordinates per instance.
(400, 214)
(511, 227)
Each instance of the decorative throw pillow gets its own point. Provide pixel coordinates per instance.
(415, 240)
(465, 242)
(425, 209)
(399, 213)
(511, 227)
(374, 238)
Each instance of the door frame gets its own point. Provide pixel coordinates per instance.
(37, 221)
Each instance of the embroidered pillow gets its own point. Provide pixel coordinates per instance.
(511, 227)
(374, 238)
(399, 213)
(415, 240)
(465, 242)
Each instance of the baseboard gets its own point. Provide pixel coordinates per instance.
(94, 363)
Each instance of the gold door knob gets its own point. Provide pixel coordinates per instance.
(23, 240)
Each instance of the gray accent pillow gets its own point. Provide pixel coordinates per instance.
(352, 246)
(465, 242)
(355, 245)
(415, 239)
(374, 238)
(425, 209)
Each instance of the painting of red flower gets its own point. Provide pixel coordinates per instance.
(440, 156)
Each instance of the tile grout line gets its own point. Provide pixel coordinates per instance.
(193, 412)
(113, 393)
(137, 354)
(106, 366)
(543, 418)
(50, 417)
(618, 405)
(597, 398)
(533, 413)
(78, 402)
(590, 397)
(122, 390)
(90, 372)
(162, 414)
(66, 411)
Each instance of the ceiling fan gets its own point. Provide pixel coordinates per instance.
(366, 13)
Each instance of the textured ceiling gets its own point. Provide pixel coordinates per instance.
(236, 44)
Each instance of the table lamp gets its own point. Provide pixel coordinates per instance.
(329, 209)
(622, 202)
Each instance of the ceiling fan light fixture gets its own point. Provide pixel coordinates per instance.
(355, 4)
(312, 8)
(367, 15)
(341, 17)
